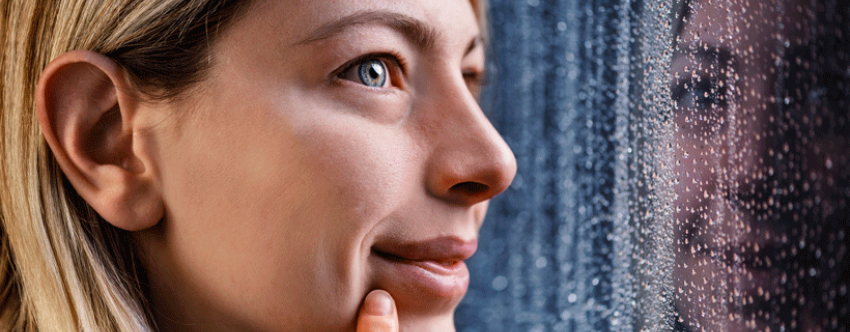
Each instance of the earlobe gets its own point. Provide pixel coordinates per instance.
(86, 109)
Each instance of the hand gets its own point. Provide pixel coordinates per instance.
(377, 313)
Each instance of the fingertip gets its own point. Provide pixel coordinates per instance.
(378, 303)
(378, 313)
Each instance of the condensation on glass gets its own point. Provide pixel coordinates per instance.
(683, 166)
(761, 91)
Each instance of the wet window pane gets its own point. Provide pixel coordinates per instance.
(760, 93)
(683, 166)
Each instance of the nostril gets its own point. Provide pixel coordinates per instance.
(470, 188)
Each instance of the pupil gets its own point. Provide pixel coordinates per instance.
(372, 73)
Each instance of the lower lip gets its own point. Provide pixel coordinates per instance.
(426, 277)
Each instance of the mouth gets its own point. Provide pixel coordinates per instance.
(443, 267)
(433, 267)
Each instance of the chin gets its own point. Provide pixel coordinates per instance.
(411, 323)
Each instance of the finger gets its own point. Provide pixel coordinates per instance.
(378, 313)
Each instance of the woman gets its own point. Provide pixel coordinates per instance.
(241, 165)
(764, 193)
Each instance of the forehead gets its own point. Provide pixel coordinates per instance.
(296, 19)
(751, 33)
(732, 23)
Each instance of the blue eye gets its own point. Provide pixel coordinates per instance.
(372, 72)
(375, 70)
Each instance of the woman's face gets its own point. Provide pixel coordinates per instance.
(705, 216)
(721, 87)
(335, 147)
(743, 207)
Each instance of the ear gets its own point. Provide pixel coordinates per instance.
(86, 107)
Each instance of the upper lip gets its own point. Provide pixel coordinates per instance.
(441, 249)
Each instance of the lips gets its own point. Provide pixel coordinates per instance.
(433, 268)
(445, 250)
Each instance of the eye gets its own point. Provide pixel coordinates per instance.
(699, 93)
(369, 72)
(701, 102)
(475, 79)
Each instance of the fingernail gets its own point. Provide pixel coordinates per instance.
(378, 303)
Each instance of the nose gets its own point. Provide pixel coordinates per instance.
(469, 162)
(776, 176)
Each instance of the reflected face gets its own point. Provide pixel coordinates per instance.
(336, 147)
(761, 170)
(709, 160)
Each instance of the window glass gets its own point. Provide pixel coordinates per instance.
(760, 92)
(682, 166)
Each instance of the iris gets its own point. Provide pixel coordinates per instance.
(372, 73)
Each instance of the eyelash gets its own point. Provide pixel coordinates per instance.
(395, 63)
(716, 93)
(476, 79)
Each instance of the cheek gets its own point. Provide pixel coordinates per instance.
(695, 168)
(268, 205)
(246, 214)
(371, 168)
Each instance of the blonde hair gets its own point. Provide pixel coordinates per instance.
(62, 268)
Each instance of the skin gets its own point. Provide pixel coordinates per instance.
(719, 155)
(716, 155)
(724, 153)
(258, 207)
(378, 313)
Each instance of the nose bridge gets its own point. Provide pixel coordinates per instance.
(469, 162)
(746, 143)
(760, 148)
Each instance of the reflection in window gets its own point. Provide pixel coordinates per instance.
(761, 102)
(686, 171)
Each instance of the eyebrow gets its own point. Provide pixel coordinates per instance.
(415, 31)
